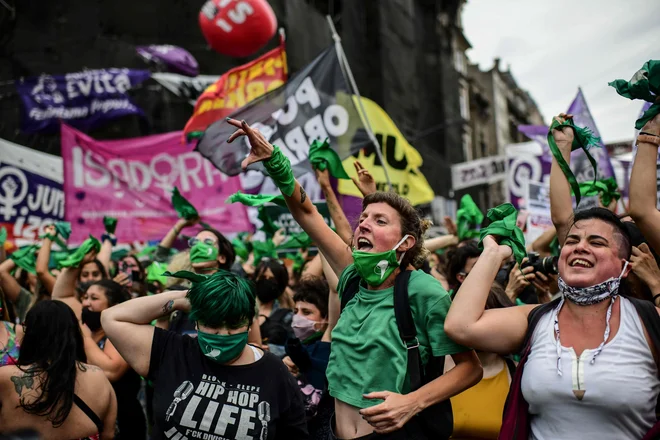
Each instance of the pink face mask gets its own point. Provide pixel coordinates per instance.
(302, 327)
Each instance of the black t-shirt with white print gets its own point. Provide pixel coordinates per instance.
(197, 398)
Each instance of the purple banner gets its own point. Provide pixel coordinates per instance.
(173, 58)
(82, 99)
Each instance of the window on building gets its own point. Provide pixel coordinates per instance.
(467, 144)
(464, 101)
(459, 62)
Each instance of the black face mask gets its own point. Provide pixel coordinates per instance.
(91, 319)
(267, 290)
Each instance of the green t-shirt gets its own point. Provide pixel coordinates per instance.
(367, 352)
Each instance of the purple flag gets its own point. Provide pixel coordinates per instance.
(81, 99)
(173, 58)
(579, 163)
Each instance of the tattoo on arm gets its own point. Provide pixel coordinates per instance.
(167, 308)
(303, 195)
(26, 381)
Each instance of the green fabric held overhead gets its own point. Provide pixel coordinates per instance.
(584, 139)
(269, 227)
(298, 261)
(256, 199)
(241, 249)
(297, 241)
(3, 236)
(110, 224)
(187, 275)
(26, 258)
(468, 218)
(63, 229)
(263, 249)
(155, 272)
(503, 225)
(645, 84)
(608, 190)
(323, 157)
(183, 207)
(75, 258)
(279, 169)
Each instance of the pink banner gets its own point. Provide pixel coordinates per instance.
(132, 180)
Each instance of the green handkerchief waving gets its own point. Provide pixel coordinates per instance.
(241, 249)
(256, 199)
(323, 157)
(110, 224)
(608, 190)
(263, 249)
(26, 258)
(503, 225)
(584, 139)
(468, 218)
(74, 259)
(268, 226)
(183, 207)
(645, 84)
(3, 236)
(297, 241)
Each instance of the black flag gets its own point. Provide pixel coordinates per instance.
(314, 104)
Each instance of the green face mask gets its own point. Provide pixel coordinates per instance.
(222, 348)
(374, 268)
(201, 252)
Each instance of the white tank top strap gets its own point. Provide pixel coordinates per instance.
(257, 353)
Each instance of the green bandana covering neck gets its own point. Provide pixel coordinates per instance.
(503, 224)
(155, 272)
(256, 199)
(297, 241)
(240, 248)
(26, 258)
(279, 169)
(322, 157)
(606, 188)
(584, 138)
(645, 84)
(74, 259)
(468, 217)
(182, 206)
(187, 275)
(110, 224)
(263, 249)
(298, 261)
(269, 227)
(3, 236)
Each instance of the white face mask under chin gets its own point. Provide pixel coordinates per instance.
(585, 296)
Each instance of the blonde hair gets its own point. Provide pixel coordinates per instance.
(180, 261)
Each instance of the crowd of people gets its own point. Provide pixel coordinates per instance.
(376, 331)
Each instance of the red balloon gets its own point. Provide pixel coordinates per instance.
(237, 28)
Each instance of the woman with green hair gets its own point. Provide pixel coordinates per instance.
(215, 385)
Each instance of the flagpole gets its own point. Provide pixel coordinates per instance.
(343, 62)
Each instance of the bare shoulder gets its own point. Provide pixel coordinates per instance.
(92, 373)
(526, 309)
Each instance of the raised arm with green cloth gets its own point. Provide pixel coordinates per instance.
(323, 157)
(43, 259)
(183, 207)
(77, 257)
(503, 225)
(606, 189)
(468, 218)
(336, 213)
(645, 84)
(256, 199)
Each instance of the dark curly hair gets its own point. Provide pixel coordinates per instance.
(313, 290)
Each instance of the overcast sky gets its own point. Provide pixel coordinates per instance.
(555, 47)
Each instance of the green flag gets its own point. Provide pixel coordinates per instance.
(183, 207)
(645, 84)
(322, 157)
(256, 199)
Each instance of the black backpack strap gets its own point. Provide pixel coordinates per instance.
(651, 320)
(407, 330)
(511, 365)
(349, 291)
(535, 316)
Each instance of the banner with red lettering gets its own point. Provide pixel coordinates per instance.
(132, 180)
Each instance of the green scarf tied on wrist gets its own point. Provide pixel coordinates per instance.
(26, 258)
(269, 227)
(187, 275)
(297, 241)
(584, 139)
(241, 249)
(110, 224)
(468, 218)
(3, 236)
(256, 199)
(645, 84)
(606, 188)
(183, 207)
(75, 258)
(322, 157)
(156, 273)
(263, 249)
(279, 169)
(298, 261)
(503, 224)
